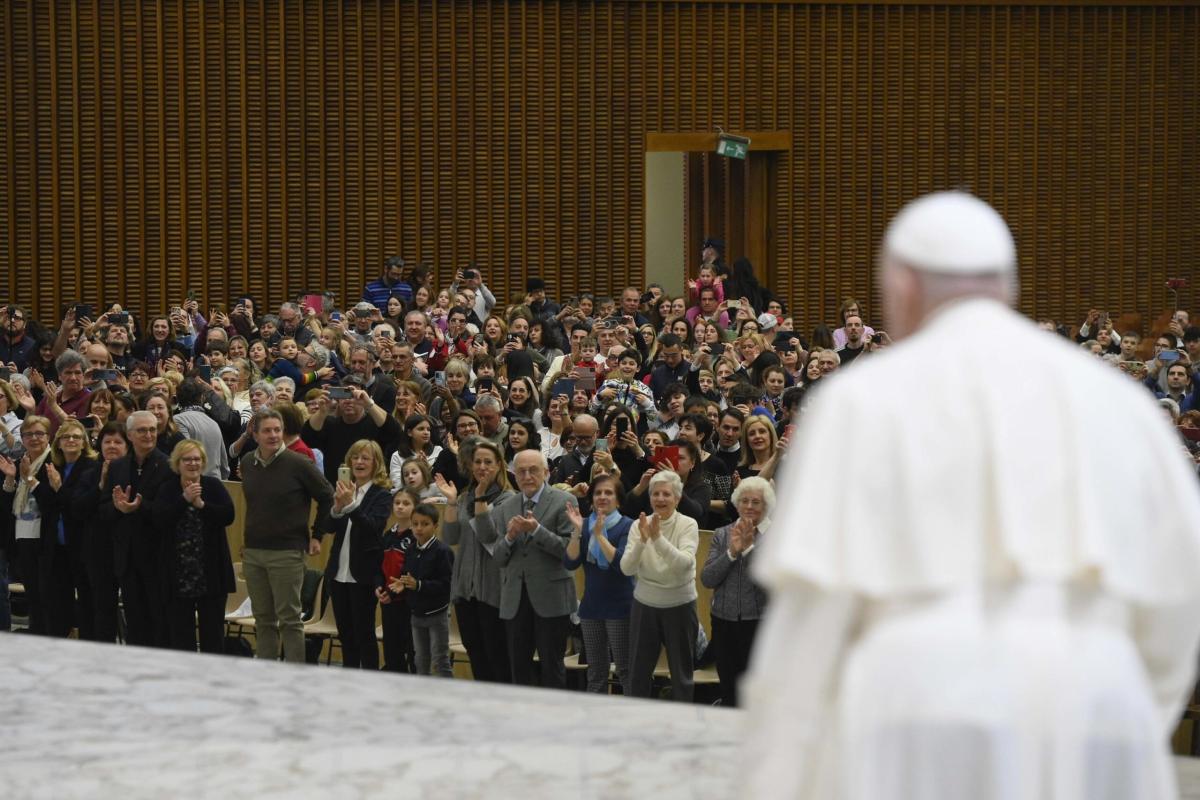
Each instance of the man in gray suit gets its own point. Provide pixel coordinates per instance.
(537, 595)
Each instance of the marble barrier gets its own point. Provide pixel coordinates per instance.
(83, 720)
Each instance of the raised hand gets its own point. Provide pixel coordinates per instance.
(343, 495)
(54, 476)
(447, 488)
(122, 501)
(575, 517)
(191, 493)
(8, 467)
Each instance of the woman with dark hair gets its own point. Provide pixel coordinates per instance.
(475, 585)
(157, 342)
(42, 359)
(822, 338)
(522, 435)
(597, 545)
(190, 515)
(98, 543)
(415, 442)
(697, 494)
(394, 315)
(543, 337)
(683, 330)
(620, 430)
(742, 284)
(100, 410)
(523, 401)
(244, 316)
(168, 431)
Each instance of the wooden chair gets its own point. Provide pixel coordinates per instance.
(323, 626)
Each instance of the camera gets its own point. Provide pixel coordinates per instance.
(120, 318)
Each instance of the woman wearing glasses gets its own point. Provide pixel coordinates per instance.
(25, 492)
(71, 474)
(190, 516)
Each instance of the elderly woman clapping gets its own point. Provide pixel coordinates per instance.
(661, 554)
(737, 603)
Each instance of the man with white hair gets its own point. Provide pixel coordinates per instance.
(973, 617)
(127, 495)
(530, 531)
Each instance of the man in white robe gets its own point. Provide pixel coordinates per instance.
(1005, 602)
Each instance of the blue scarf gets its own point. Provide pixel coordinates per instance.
(595, 554)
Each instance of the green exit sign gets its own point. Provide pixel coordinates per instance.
(732, 146)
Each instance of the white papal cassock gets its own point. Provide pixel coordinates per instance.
(984, 578)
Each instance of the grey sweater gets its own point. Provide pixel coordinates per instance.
(735, 595)
(476, 574)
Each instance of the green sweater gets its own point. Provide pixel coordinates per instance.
(279, 500)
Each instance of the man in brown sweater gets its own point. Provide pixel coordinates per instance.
(280, 486)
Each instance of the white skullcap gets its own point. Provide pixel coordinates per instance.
(951, 232)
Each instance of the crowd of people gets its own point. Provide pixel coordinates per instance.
(462, 453)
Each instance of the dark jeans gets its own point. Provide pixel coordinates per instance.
(527, 631)
(650, 630)
(397, 636)
(734, 641)
(354, 612)
(192, 618)
(483, 636)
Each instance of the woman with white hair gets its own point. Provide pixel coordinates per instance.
(738, 602)
(661, 554)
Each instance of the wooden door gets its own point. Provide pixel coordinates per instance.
(731, 199)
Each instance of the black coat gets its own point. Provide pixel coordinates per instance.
(75, 503)
(135, 539)
(169, 507)
(366, 539)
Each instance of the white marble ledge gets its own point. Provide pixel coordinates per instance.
(87, 720)
(82, 720)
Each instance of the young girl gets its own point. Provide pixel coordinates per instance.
(397, 625)
(416, 475)
(426, 581)
(708, 277)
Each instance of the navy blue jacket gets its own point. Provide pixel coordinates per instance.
(607, 593)
(432, 566)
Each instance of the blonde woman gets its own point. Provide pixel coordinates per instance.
(68, 504)
(192, 513)
(361, 506)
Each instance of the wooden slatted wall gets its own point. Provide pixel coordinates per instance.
(279, 145)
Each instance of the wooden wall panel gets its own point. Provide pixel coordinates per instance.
(277, 146)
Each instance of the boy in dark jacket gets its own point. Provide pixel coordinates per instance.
(426, 583)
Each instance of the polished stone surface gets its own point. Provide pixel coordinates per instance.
(87, 720)
(82, 720)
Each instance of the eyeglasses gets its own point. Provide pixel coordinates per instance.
(34, 434)
(145, 431)
(70, 436)
(191, 460)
